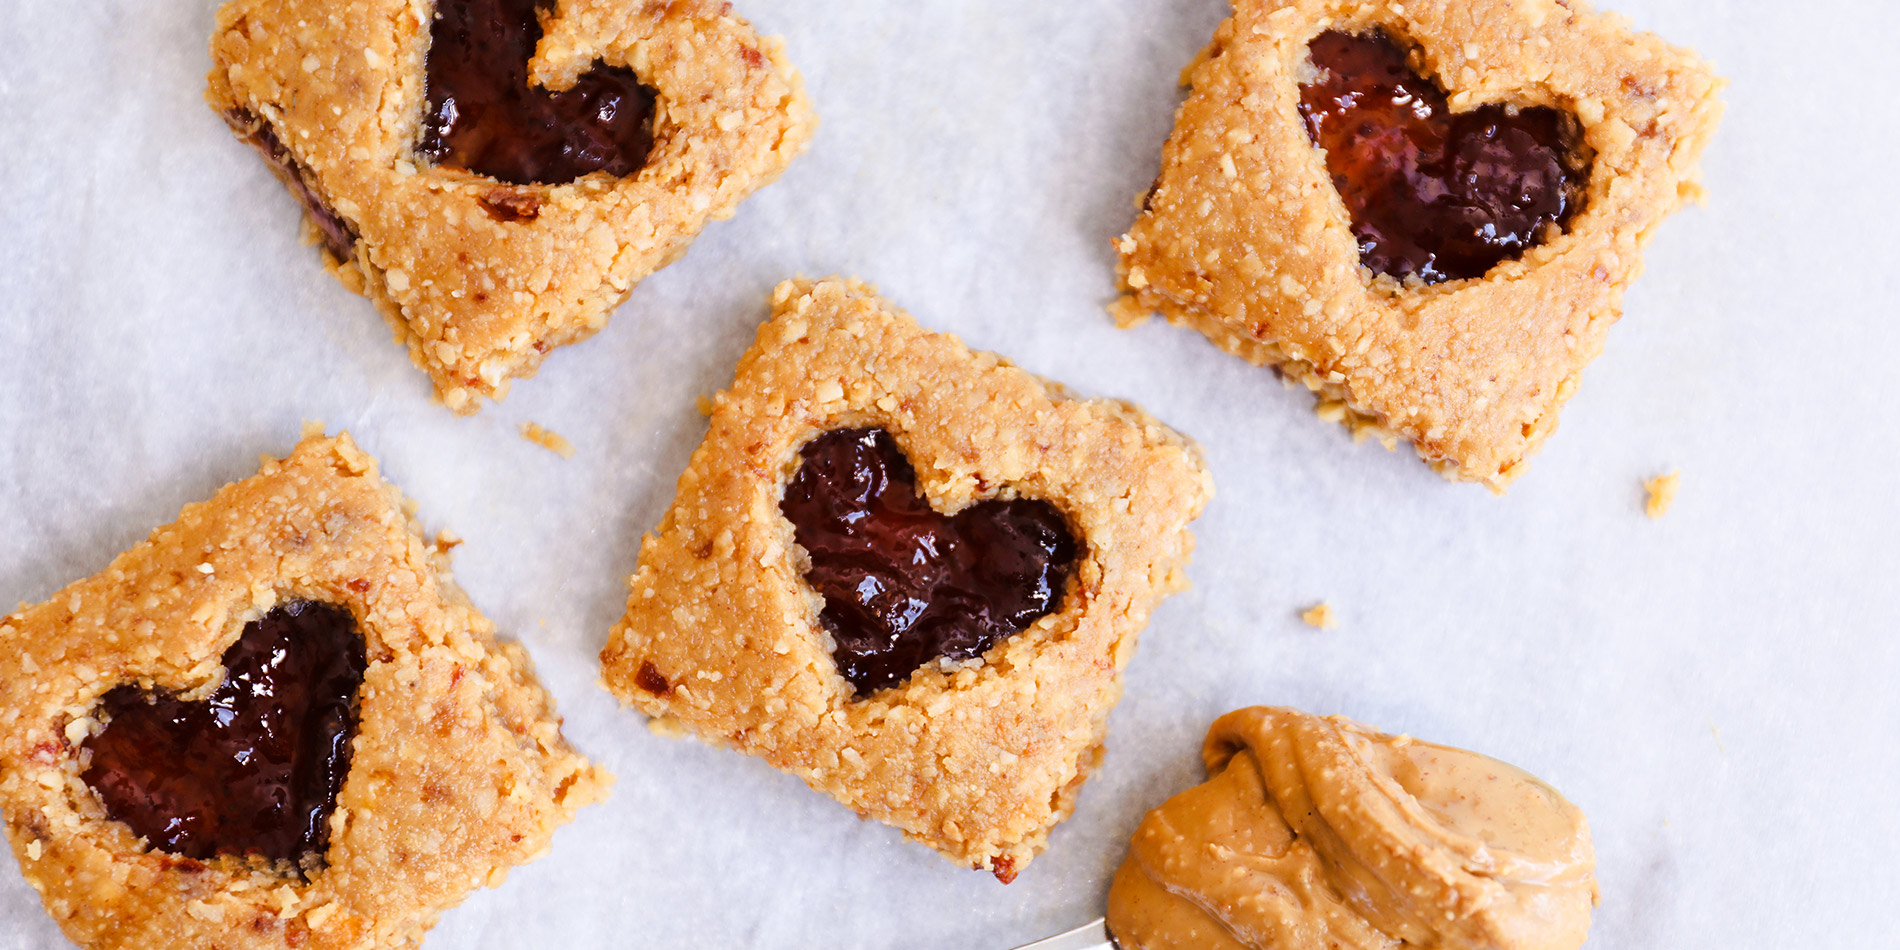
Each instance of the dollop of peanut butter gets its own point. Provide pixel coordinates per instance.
(1320, 832)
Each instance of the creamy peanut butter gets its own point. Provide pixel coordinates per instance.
(1319, 832)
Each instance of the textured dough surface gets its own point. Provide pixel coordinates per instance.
(458, 770)
(1245, 239)
(481, 278)
(722, 634)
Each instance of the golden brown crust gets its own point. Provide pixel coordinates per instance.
(1246, 240)
(458, 768)
(479, 296)
(722, 634)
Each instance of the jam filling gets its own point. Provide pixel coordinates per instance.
(905, 585)
(255, 767)
(1435, 194)
(485, 117)
(339, 236)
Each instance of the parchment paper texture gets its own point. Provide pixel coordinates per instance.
(1716, 689)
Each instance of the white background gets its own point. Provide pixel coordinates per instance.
(1716, 689)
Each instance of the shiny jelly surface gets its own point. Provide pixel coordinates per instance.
(904, 584)
(1432, 193)
(253, 768)
(339, 237)
(485, 117)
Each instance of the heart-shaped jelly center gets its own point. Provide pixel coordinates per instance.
(1433, 193)
(253, 768)
(904, 584)
(484, 115)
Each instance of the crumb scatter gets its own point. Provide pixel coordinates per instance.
(1662, 493)
(548, 439)
(1320, 616)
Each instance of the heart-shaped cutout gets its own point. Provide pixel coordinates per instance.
(485, 116)
(253, 768)
(1433, 193)
(905, 585)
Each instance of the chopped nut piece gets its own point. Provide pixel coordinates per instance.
(547, 439)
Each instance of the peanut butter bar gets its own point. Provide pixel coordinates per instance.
(274, 723)
(1425, 212)
(497, 175)
(908, 573)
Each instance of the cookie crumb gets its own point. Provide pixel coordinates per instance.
(547, 439)
(1662, 493)
(1320, 616)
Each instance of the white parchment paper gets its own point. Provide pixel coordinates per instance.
(1716, 689)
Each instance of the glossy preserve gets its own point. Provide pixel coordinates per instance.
(904, 584)
(1438, 194)
(485, 117)
(339, 237)
(255, 767)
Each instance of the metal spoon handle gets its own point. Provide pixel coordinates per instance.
(1089, 936)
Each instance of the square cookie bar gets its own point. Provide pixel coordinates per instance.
(908, 573)
(497, 175)
(1427, 213)
(275, 722)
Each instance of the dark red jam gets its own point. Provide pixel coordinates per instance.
(485, 117)
(339, 236)
(1432, 193)
(905, 585)
(252, 769)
